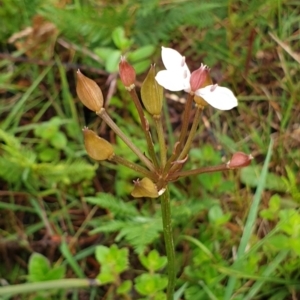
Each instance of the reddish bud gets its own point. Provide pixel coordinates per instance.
(239, 160)
(127, 74)
(198, 78)
(89, 92)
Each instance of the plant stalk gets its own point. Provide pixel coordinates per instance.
(107, 119)
(169, 242)
(209, 169)
(145, 126)
(161, 141)
(133, 166)
(47, 285)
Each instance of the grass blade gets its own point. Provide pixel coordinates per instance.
(250, 222)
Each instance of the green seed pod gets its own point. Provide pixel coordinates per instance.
(152, 93)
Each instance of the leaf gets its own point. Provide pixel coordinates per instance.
(104, 52)
(216, 215)
(149, 284)
(59, 140)
(48, 154)
(38, 267)
(113, 262)
(112, 61)
(116, 206)
(153, 262)
(141, 53)
(119, 38)
(56, 273)
(141, 66)
(250, 177)
(124, 288)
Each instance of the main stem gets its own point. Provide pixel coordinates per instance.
(169, 243)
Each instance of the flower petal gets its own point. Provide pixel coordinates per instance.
(172, 59)
(172, 81)
(217, 96)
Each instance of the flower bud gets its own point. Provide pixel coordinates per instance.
(96, 147)
(152, 93)
(89, 92)
(198, 78)
(144, 188)
(207, 81)
(239, 160)
(127, 74)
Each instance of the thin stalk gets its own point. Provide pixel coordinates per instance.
(190, 138)
(107, 119)
(169, 242)
(145, 126)
(161, 141)
(183, 133)
(133, 166)
(198, 171)
(186, 118)
(47, 285)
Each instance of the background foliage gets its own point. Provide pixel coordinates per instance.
(63, 217)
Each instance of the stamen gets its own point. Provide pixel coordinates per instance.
(213, 87)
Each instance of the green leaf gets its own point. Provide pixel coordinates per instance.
(59, 140)
(279, 241)
(153, 262)
(289, 222)
(46, 130)
(56, 273)
(250, 176)
(112, 62)
(141, 66)
(271, 213)
(119, 38)
(104, 52)
(216, 215)
(101, 253)
(141, 53)
(48, 154)
(124, 288)
(150, 284)
(115, 205)
(113, 262)
(38, 267)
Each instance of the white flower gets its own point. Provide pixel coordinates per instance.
(177, 77)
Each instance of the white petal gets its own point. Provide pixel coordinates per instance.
(172, 81)
(173, 60)
(219, 97)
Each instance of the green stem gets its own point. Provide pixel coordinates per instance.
(145, 126)
(169, 243)
(161, 141)
(107, 119)
(47, 285)
(122, 161)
